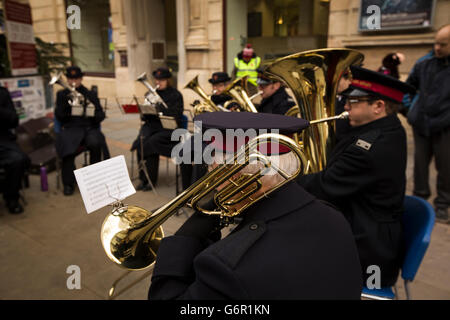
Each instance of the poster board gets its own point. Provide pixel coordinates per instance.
(20, 38)
(28, 96)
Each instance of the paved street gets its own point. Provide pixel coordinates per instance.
(55, 232)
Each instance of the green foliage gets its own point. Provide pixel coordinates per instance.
(50, 57)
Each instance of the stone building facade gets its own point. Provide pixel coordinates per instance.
(199, 37)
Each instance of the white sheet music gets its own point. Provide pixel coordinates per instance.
(77, 111)
(90, 110)
(148, 109)
(104, 182)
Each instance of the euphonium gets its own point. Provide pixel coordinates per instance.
(313, 78)
(237, 90)
(207, 105)
(75, 98)
(151, 96)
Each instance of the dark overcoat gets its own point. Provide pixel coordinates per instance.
(365, 179)
(9, 121)
(75, 129)
(288, 246)
(157, 140)
(279, 102)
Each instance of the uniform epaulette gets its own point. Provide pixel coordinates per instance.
(366, 140)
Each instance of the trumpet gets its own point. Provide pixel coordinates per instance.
(76, 99)
(151, 97)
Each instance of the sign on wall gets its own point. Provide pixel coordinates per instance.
(28, 96)
(382, 15)
(21, 44)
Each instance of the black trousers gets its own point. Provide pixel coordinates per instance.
(94, 145)
(437, 145)
(14, 162)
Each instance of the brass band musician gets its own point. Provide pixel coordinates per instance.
(79, 112)
(157, 139)
(365, 172)
(288, 246)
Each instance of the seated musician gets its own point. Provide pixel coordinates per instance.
(192, 172)
(12, 159)
(157, 139)
(80, 114)
(274, 96)
(219, 82)
(365, 173)
(288, 245)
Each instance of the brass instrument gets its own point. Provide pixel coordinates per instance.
(207, 105)
(151, 96)
(76, 99)
(313, 78)
(255, 95)
(237, 90)
(131, 235)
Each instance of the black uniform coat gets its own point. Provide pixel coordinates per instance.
(9, 121)
(279, 102)
(157, 140)
(288, 246)
(75, 128)
(365, 179)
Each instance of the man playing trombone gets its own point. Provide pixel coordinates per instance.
(156, 139)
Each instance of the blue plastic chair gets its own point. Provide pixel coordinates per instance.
(418, 222)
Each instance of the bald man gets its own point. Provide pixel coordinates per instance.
(430, 119)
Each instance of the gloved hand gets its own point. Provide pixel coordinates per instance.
(200, 226)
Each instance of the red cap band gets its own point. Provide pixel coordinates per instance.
(394, 94)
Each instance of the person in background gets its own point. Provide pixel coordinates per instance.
(246, 63)
(12, 159)
(430, 120)
(390, 64)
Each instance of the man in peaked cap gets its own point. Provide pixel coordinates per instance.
(274, 96)
(287, 246)
(219, 82)
(365, 173)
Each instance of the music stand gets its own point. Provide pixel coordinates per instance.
(143, 110)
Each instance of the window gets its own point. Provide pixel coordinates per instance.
(91, 45)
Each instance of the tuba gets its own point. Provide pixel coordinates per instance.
(151, 97)
(238, 91)
(207, 105)
(313, 78)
